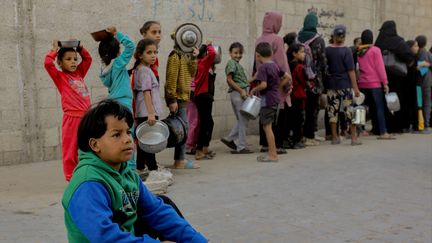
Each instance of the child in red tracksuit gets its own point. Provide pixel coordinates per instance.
(296, 53)
(75, 96)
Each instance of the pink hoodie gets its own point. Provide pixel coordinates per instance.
(372, 70)
(272, 24)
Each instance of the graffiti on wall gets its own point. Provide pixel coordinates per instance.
(328, 18)
(201, 10)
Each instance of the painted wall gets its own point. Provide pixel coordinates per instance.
(30, 111)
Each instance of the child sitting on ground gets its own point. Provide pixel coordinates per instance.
(269, 88)
(75, 97)
(105, 199)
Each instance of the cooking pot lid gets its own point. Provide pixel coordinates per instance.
(188, 35)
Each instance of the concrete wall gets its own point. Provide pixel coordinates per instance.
(30, 113)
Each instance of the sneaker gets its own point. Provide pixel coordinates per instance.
(311, 142)
(281, 151)
(242, 151)
(161, 174)
(157, 187)
(298, 145)
(319, 138)
(230, 144)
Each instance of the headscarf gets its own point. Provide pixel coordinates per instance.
(272, 24)
(388, 39)
(309, 27)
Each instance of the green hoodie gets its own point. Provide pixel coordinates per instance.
(122, 186)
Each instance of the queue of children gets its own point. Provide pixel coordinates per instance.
(291, 82)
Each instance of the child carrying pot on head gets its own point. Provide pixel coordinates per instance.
(75, 96)
(181, 67)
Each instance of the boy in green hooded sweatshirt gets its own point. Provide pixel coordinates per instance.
(105, 200)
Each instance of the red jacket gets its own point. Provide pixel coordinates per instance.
(299, 82)
(75, 96)
(202, 76)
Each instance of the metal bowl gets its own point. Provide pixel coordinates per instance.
(218, 51)
(188, 35)
(100, 35)
(69, 44)
(152, 139)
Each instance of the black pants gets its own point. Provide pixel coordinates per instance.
(204, 103)
(144, 158)
(142, 228)
(296, 119)
(311, 114)
(395, 121)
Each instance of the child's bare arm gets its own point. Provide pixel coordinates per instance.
(259, 87)
(151, 120)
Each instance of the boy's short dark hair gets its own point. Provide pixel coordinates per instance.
(108, 49)
(62, 51)
(93, 123)
(236, 45)
(264, 49)
(421, 41)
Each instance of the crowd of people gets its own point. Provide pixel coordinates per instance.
(295, 76)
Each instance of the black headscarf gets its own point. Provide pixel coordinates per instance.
(388, 39)
(366, 37)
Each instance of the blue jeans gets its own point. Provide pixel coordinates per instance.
(374, 99)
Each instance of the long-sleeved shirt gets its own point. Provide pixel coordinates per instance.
(115, 76)
(202, 77)
(180, 70)
(372, 69)
(75, 96)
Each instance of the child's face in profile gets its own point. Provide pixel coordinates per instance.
(236, 54)
(300, 54)
(115, 146)
(154, 32)
(69, 61)
(148, 57)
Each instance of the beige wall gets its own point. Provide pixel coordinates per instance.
(30, 110)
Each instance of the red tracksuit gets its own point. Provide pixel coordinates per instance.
(75, 100)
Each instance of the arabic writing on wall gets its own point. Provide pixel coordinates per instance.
(201, 10)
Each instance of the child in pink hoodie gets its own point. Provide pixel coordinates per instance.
(373, 81)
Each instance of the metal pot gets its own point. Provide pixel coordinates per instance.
(152, 139)
(188, 35)
(392, 100)
(359, 115)
(218, 57)
(177, 130)
(251, 107)
(69, 43)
